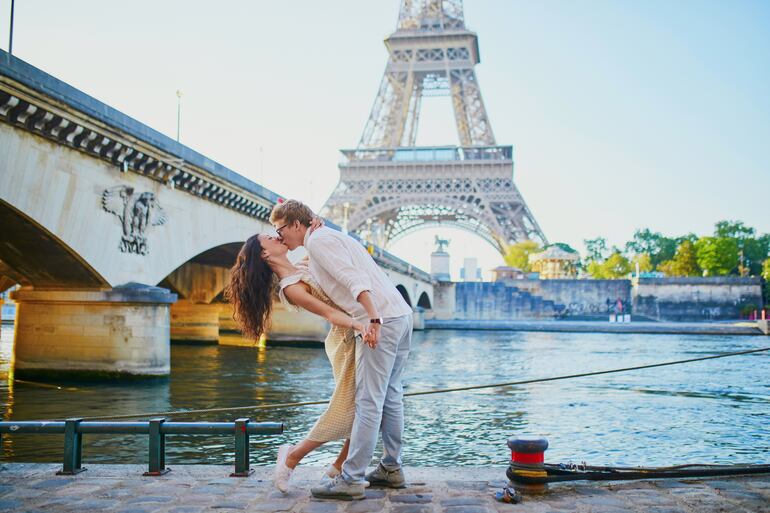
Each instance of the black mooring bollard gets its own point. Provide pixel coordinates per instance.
(526, 471)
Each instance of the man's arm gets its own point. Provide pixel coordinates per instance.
(372, 335)
(336, 259)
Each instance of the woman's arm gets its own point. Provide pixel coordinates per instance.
(300, 296)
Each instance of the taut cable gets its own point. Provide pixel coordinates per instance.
(276, 406)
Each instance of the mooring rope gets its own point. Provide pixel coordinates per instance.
(275, 406)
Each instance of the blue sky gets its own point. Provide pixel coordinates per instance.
(622, 114)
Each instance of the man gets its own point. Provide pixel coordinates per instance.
(350, 277)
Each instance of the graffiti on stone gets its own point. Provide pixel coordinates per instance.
(136, 212)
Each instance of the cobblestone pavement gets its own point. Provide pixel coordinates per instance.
(199, 488)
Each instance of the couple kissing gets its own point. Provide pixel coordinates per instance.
(367, 345)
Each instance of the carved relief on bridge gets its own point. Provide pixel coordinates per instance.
(137, 212)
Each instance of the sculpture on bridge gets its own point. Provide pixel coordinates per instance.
(441, 244)
(136, 213)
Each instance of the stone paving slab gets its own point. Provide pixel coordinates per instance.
(34, 487)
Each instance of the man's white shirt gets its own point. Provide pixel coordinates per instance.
(344, 269)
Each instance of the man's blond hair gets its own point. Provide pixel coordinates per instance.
(290, 211)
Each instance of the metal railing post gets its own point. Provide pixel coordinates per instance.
(241, 449)
(157, 463)
(73, 448)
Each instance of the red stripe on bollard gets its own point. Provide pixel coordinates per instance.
(528, 458)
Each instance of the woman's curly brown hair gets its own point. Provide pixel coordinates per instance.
(250, 290)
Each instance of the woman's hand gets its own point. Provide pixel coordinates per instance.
(358, 327)
(372, 335)
(366, 337)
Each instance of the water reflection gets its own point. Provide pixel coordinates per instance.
(711, 411)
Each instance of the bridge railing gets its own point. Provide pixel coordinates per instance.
(157, 429)
(429, 154)
(35, 101)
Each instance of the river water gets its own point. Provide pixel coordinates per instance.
(715, 411)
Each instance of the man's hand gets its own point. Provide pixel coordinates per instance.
(372, 335)
(317, 222)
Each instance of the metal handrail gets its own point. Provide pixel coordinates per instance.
(156, 429)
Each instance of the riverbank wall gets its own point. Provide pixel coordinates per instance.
(566, 326)
(688, 299)
(647, 299)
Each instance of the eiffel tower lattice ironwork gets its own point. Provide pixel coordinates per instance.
(388, 186)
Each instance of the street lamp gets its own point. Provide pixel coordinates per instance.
(10, 37)
(178, 111)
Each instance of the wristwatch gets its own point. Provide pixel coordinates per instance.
(378, 320)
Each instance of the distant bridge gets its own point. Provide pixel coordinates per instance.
(120, 236)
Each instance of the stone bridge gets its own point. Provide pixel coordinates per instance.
(120, 237)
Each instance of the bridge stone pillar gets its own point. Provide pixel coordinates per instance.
(195, 317)
(229, 333)
(196, 323)
(288, 327)
(226, 321)
(418, 320)
(296, 326)
(92, 334)
(444, 300)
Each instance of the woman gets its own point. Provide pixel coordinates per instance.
(252, 281)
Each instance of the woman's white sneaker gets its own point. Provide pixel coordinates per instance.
(331, 472)
(282, 473)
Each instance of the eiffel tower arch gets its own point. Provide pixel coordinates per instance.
(389, 187)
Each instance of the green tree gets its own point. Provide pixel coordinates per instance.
(752, 250)
(596, 249)
(659, 248)
(684, 263)
(717, 256)
(517, 255)
(755, 252)
(645, 264)
(690, 236)
(616, 266)
(733, 230)
(766, 276)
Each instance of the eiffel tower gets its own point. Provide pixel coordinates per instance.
(389, 187)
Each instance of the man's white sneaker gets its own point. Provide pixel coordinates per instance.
(282, 473)
(384, 477)
(337, 488)
(331, 472)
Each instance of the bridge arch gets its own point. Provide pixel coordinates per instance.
(35, 256)
(404, 293)
(202, 278)
(424, 301)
